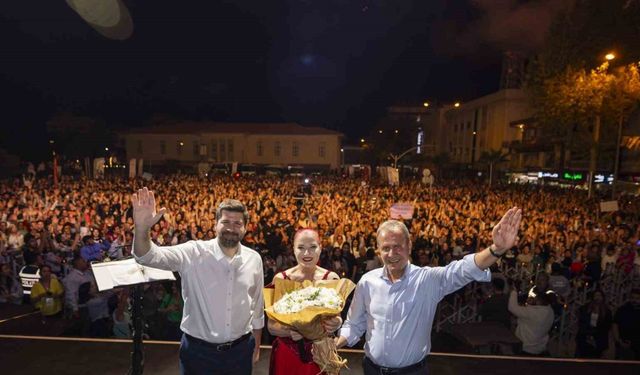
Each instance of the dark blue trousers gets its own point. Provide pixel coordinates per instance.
(201, 358)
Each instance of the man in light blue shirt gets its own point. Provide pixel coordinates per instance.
(395, 305)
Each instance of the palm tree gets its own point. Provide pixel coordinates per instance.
(492, 157)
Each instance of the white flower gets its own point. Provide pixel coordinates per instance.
(310, 296)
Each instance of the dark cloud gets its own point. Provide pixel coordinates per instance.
(500, 24)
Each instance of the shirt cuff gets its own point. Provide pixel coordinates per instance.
(257, 323)
(472, 269)
(146, 258)
(352, 337)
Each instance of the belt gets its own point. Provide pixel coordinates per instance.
(397, 370)
(220, 347)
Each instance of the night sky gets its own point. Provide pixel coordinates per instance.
(333, 63)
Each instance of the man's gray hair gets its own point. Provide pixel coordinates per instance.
(232, 205)
(393, 226)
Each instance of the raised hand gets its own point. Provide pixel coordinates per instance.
(144, 209)
(505, 233)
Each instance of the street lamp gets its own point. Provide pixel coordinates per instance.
(457, 105)
(399, 156)
(593, 162)
(425, 104)
(616, 164)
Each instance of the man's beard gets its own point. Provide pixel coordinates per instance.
(229, 240)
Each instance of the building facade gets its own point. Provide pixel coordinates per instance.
(485, 124)
(252, 143)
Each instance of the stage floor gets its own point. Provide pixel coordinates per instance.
(22, 355)
(27, 346)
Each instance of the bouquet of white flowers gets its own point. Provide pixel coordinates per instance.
(303, 306)
(310, 296)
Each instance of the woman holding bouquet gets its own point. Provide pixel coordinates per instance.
(291, 353)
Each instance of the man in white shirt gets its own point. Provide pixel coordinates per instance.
(76, 293)
(534, 322)
(222, 283)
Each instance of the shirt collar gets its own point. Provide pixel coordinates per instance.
(385, 276)
(219, 254)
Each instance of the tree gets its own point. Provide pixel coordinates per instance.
(576, 41)
(624, 99)
(601, 97)
(491, 158)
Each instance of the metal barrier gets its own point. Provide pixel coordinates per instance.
(616, 284)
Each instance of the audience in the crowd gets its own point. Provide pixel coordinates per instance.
(60, 230)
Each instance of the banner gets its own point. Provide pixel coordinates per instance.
(132, 168)
(609, 206)
(140, 164)
(393, 176)
(98, 168)
(401, 211)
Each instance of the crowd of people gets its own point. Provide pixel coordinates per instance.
(59, 229)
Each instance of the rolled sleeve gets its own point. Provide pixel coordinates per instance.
(350, 334)
(170, 258)
(258, 321)
(355, 325)
(473, 271)
(459, 273)
(148, 257)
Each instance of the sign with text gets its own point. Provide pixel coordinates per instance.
(401, 211)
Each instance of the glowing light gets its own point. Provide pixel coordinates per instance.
(110, 18)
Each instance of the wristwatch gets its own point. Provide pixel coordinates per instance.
(492, 250)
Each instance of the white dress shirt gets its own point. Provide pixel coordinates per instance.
(72, 283)
(397, 317)
(534, 323)
(223, 297)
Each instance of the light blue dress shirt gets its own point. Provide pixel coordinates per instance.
(397, 317)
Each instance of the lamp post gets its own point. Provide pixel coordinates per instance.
(397, 157)
(616, 165)
(593, 162)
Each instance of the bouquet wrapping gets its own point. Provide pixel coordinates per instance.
(303, 306)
